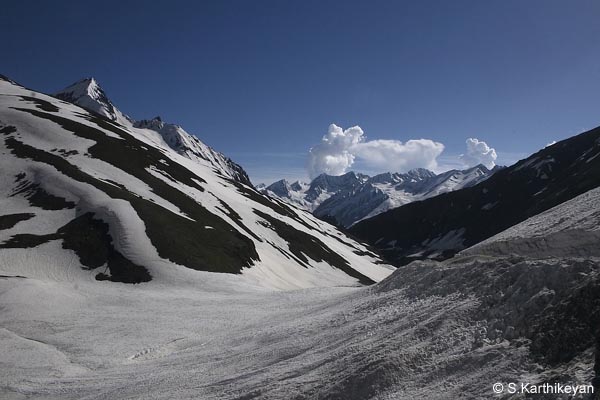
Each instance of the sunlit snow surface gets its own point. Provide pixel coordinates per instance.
(273, 270)
(428, 331)
(416, 335)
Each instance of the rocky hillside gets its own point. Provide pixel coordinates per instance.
(443, 225)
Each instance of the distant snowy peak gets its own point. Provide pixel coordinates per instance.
(309, 196)
(420, 173)
(281, 188)
(346, 199)
(291, 193)
(330, 183)
(88, 94)
(391, 190)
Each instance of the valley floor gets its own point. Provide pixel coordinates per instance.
(425, 333)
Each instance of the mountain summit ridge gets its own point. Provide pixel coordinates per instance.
(351, 197)
(87, 93)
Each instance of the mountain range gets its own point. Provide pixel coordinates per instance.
(137, 262)
(138, 200)
(346, 199)
(441, 226)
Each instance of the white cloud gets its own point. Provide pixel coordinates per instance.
(339, 148)
(333, 155)
(395, 156)
(478, 152)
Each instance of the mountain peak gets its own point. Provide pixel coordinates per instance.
(89, 81)
(484, 168)
(280, 188)
(88, 94)
(326, 179)
(421, 173)
(84, 87)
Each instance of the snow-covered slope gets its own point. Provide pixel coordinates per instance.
(88, 94)
(85, 196)
(73, 206)
(509, 319)
(443, 225)
(571, 229)
(431, 330)
(349, 198)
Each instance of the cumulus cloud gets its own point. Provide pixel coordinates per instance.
(339, 148)
(393, 155)
(478, 152)
(333, 155)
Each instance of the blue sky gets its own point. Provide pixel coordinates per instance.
(262, 81)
